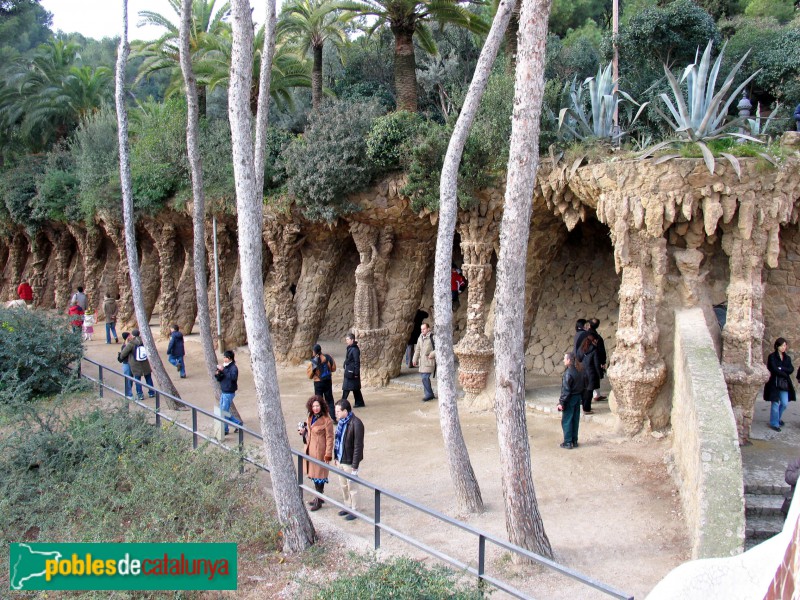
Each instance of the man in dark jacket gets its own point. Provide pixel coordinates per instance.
(320, 369)
(136, 354)
(176, 351)
(110, 311)
(352, 371)
(602, 356)
(569, 403)
(228, 376)
(126, 367)
(348, 452)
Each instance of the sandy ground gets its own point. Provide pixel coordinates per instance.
(610, 508)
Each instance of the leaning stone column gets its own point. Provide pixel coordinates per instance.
(17, 254)
(478, 231)
(89, 242)
(283, 240)
(164, 240)
(742, 363)
(637, 370)
(41, 251)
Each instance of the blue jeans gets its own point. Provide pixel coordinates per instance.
(177, 361)
(126, 370)
(426, 385)
(149, 379)
(776, 412)
(111, 331)
(225, 400)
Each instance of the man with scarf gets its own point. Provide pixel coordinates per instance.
(348, 451)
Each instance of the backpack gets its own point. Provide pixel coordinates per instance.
(325, 368)
(140, 353)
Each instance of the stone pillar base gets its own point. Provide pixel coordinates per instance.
(743, 388)
(475, 355)
(635, 391)
(374, 369)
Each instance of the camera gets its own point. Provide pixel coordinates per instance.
(301, 425)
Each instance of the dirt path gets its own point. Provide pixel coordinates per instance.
(610, 508)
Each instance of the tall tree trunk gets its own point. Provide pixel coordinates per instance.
(405, 69)
(162, 378)
(523, 521)
(464, 481)
(298, 531)
(199, 207)
(316, 77)
(512, 34)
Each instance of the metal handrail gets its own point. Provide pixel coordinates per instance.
(378, 491)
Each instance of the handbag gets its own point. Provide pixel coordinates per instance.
(782, 384)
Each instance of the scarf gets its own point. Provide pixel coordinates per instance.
(338, 446)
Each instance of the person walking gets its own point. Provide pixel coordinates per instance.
(317, 432)
(348, 450)
(779, 389)
(352, 371)
(76, 312)
(425, 358)
(136, 354)
(25, 292)
(588, 357)
(602, 356)
(228, 376)
(569, 402)
(89, 319)
(110, 311)
(80, 298)
(176, 351)
(126, 367)
(320, 369)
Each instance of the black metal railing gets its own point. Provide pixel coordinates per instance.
(379, 492)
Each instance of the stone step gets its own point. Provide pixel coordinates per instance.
(758, 489)
(763, 505)
(762, 528)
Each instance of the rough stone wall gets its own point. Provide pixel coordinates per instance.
(705, 442)
(580, 283)
(782, 295)
(339, 314)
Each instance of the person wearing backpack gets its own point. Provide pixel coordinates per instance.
(126, 367)
(228, 376)
(136, 354)
(320, 369)
(176, 351)
(425, 358)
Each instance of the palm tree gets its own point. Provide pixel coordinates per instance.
(163, 53)
(309, 24)
(407, 18)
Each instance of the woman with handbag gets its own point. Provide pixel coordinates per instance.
(779, 389)
(317, 432)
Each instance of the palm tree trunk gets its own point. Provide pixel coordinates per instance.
(316, 77)
(199, 207)
(523, 521)
(298, 531)
(405, 69)
(162, 379)
(466, 485)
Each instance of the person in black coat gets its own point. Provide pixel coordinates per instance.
(581, 326)
(602, 356)
(779, 389)
(352, 371)
(569, 403)
(588, 356)
(176, 351)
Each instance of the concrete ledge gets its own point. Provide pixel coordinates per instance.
(705, 442)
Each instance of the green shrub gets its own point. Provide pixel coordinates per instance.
(96, 153)
(18, 191)
(330, 160)
(388, 139)
(35, 351)
(402, 579)
(57, 189)
(116, 478)
(781, 10)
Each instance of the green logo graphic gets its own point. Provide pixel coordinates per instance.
(123, 566)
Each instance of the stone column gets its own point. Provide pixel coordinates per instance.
(63, 245)
(17, 255)
(41, 253)
(165, 240)
(125, 314)
(230, 297)
(742, 363)
(478, 231)
(284, 241)
(89, 240)
(637, 370)
(366, 312)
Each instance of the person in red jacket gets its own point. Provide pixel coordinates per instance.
(25, 292)
(76, 312)
(457, 284)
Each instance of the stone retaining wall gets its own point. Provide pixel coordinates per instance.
(782, 295)
(704, 442)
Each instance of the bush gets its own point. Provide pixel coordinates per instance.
(18, 191)
(96, 153)
(116, 478)
(57, 189)
(781, 10)
(387, 141)
(35, 351)
(330, 160)
(403, 579)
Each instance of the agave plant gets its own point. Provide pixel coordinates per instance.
(702, 113)
(759, 126)
(604, 101)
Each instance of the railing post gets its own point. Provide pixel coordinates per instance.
(377, 519)
(481, 558)
(194, 428)
(299, 469)
(100, 378)
(158, 409)
(241, 450)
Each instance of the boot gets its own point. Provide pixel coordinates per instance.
(316, 504)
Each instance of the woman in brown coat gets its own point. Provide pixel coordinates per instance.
(317, 432)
